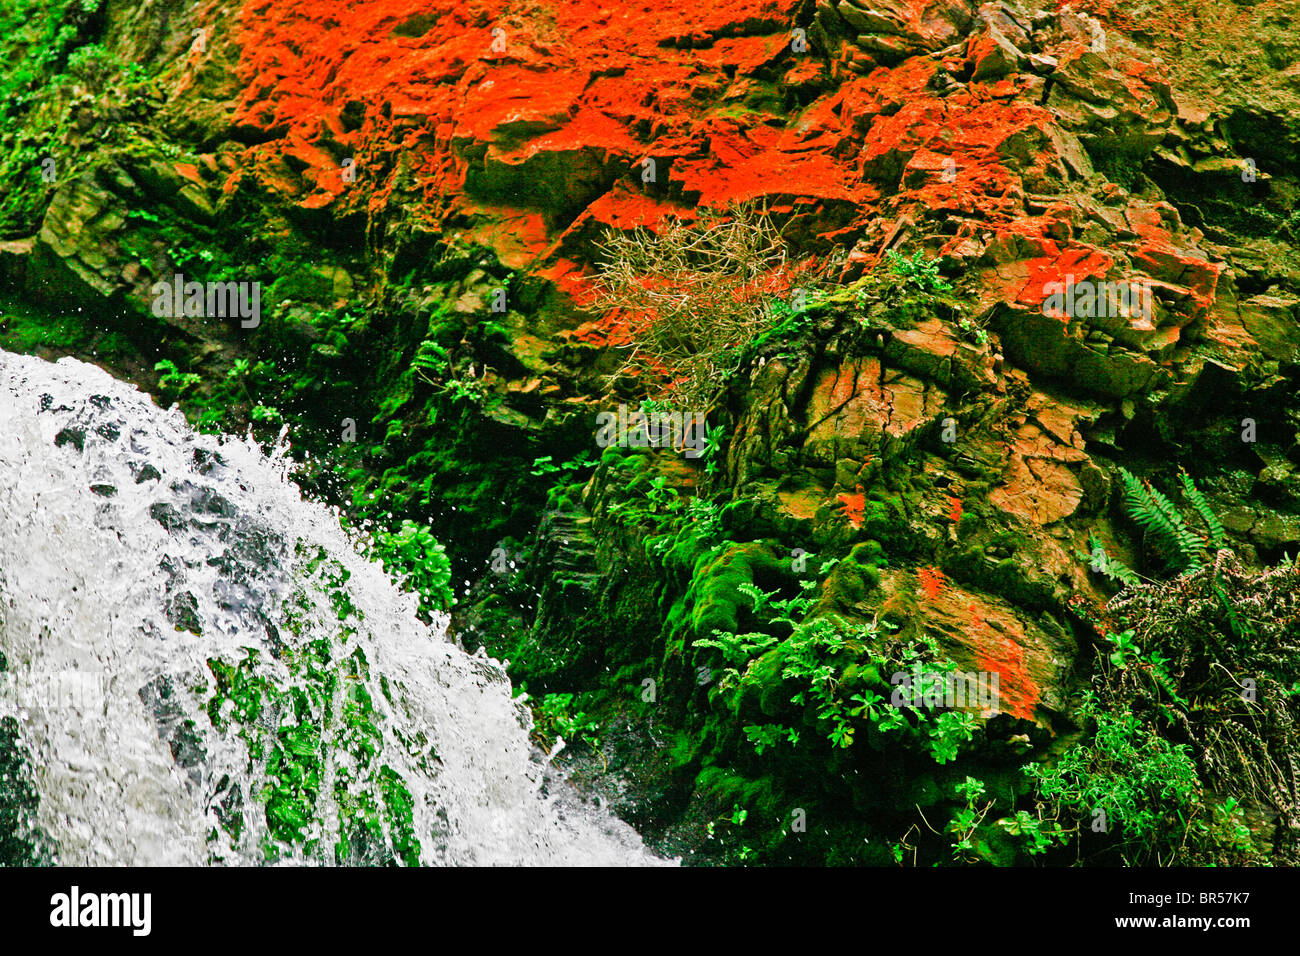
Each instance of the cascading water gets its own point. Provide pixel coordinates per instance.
(201, 669)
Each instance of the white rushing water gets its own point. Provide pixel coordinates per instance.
(204, 670)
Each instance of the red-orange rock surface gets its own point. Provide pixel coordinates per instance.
(1002, 141)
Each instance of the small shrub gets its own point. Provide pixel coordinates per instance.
(1192, 722)
(697, 295)
(414, 558)
(556, 716)
(918, 271)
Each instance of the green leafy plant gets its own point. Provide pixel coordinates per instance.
(694, 526)
(174, 379)
(1101, 562)
(556, 717)
(791, 322)
(547, 465)
(1035, 834)
(737, 651)
(919, 272)
(466, 390)
(1126, 650)
(766, 736)
(661, 495)
(1145, 786)
(434, 365)
(972, 331)
(713, 455)
(1216, 537)
(1182, 548)
(1169, 532)
(417, 562)
(814, 659)
(209, 409)
(1191, 723)
(967, 819)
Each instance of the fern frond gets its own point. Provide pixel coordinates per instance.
(1218, 537)
(1156, 514)
(430, 361)
(430, 355)
(1240, 630)
(756, 595)
(737, 648)
(1112, 568)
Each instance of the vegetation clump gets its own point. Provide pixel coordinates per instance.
(696, 294)
(1191, 737)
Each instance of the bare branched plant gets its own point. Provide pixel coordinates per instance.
(695, 295)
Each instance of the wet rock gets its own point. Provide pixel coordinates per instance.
(179, 732)
(1274, 322)
(1058, 350)
(71, 435)
(183, 611)
(14, 255)
(167, 516)
(143, 472)
(71, 256)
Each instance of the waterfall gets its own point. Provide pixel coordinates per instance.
(201, 669)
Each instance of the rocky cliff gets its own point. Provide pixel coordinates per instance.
(1036, 245)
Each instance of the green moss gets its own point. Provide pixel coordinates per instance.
(884, 517)
(732, 789)
(399, 813)
(52, 66)
(717, 603)
(323, 724)
(763, 690)
(25, 328)
(21, 841)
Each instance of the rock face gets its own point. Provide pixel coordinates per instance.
(1117, 228)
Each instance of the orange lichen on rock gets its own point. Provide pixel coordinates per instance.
(854, 505)
(995, 145)
(540, 105)
(932, 582)
(1018, 692)
(534, 127)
